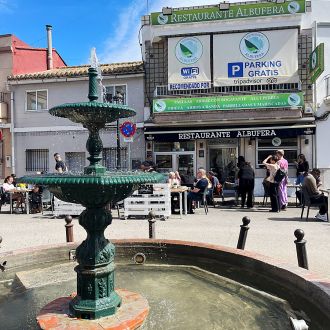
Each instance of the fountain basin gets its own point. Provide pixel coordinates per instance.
(302, 289)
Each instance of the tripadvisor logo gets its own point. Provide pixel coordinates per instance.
(189, 50)
(160, 106)
(162, 19)
(293, 7)
(254, 45)
(294, 99)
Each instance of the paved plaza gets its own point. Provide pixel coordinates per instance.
(270, 234)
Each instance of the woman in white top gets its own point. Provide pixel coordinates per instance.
(174, 179)
(271, 164)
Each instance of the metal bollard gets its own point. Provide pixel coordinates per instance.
(243, 233)
(69, 229)
(301, 248)
(152, 224)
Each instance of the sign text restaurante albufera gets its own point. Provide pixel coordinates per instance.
(227, 134)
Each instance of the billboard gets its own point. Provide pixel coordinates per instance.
(256, 58)
(235, 11)
(189, 63)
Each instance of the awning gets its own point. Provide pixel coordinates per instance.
(172, 134)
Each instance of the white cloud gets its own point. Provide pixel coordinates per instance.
(5, 6)
(123, 45)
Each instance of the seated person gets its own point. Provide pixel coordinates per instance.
(9, 186)
(196, 194)
(35, 200)
(315, 195)
(215, 187)
(174, 181)
(318, 184)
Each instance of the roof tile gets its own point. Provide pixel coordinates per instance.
(82, 70)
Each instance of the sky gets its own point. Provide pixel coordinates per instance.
(111, 26)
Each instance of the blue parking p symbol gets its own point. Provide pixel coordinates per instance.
(235, 69)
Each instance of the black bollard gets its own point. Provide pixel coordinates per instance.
(152, 224)
(69, 229)
(243, 233)
(301, 248)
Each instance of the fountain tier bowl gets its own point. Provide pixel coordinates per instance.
(306, 293)
(111, 186)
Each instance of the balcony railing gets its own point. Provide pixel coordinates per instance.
(163, 91)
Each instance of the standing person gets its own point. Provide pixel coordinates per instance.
(245, 177)
(271, 164)
(196, 194)
(282, 187)
(60, 166)
(302, 166)
(315, 195)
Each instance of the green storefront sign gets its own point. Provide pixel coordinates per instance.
(235, 11)
(240, 102)
(316, 62)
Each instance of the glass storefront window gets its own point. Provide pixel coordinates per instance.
(164, 161)
(266, 147)
(174, 146)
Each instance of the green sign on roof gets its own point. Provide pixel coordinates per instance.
(235, 11)
(316, 62)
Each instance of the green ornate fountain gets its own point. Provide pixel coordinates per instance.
(94, 189)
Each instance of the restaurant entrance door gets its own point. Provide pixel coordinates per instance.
(222, 160)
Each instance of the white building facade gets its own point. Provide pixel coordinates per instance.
(37, 135)
(229, 81)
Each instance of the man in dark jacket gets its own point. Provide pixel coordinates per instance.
(246, 183)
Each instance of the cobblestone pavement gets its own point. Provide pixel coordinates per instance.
(270, 234)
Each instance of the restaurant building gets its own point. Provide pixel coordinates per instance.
(227, 80)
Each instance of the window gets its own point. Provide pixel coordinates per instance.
(36, 100)
(109, 158)
(37, 160)
(174, 146)
(265, 147)
(75, 161)
(116, 94)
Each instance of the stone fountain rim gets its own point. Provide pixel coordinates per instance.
(314, 288)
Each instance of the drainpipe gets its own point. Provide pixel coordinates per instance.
(12, 128)
(49, 47)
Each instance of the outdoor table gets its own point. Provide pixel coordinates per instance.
(25, 193)
(181, 190)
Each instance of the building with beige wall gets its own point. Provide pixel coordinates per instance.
(38, 135)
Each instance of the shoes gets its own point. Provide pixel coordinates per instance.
(322, 217)
(283, 208)
(191, 212)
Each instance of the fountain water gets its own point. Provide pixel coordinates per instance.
(94, 189)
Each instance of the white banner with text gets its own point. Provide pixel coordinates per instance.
(189, 63)
(256, 58)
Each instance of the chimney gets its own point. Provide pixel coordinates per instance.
(49, 47)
